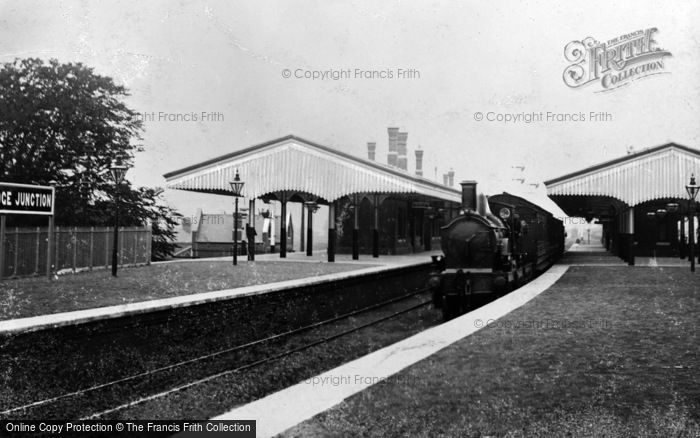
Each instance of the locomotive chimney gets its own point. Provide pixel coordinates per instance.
(468, 195)
(402, 159)
(393, 140)
(419, 162)
(371, 150)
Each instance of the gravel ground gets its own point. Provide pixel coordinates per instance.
(37, 296)
(604, 352)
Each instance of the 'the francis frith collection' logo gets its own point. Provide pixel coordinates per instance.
(616, 62)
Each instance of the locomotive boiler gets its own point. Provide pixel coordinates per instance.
(487, 255)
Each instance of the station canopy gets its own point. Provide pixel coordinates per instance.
(661, 172)
(293, 164)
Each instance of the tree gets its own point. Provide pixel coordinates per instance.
(142, 206)
(63, 124)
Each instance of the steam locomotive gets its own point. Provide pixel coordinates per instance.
(488, 255)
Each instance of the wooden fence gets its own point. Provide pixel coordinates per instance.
(23, 251)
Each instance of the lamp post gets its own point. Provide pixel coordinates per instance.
(118, 171)
(236, 186)
(692, 188)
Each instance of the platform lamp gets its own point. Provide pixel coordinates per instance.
(692, 188)
(236, 186)
(118, 171)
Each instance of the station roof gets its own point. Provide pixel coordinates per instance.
(656, 173)
(294, 164)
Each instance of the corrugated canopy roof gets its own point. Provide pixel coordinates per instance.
(294, 164)
(656, 173)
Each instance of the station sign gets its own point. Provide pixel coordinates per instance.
(26, 199)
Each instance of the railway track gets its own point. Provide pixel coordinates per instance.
(110, 397)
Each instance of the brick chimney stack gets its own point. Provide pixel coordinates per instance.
(451, 178)
(393, 140)
(371, 150)
(402, 158)
(445, 179)
(419, 162)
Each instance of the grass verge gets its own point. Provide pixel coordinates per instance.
(604, 352)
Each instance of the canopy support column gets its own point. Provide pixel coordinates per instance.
(283, 226)
(630, 236)
(691, 237)
(616, 235)
(427, 230)
(411, 225)
(375, 231)
(251, 230)
(356, 229)
(622, 224)
(682, 243)
(301, 230)
(331, 231)
(309, 232)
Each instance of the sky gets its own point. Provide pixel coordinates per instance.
(185, 58)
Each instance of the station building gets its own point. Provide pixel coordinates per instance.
(640, 199)
(372, 208)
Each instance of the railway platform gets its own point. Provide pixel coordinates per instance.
(45, 372)
(320, 256)
(591, 348)
(263, 280)
(595, 254)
